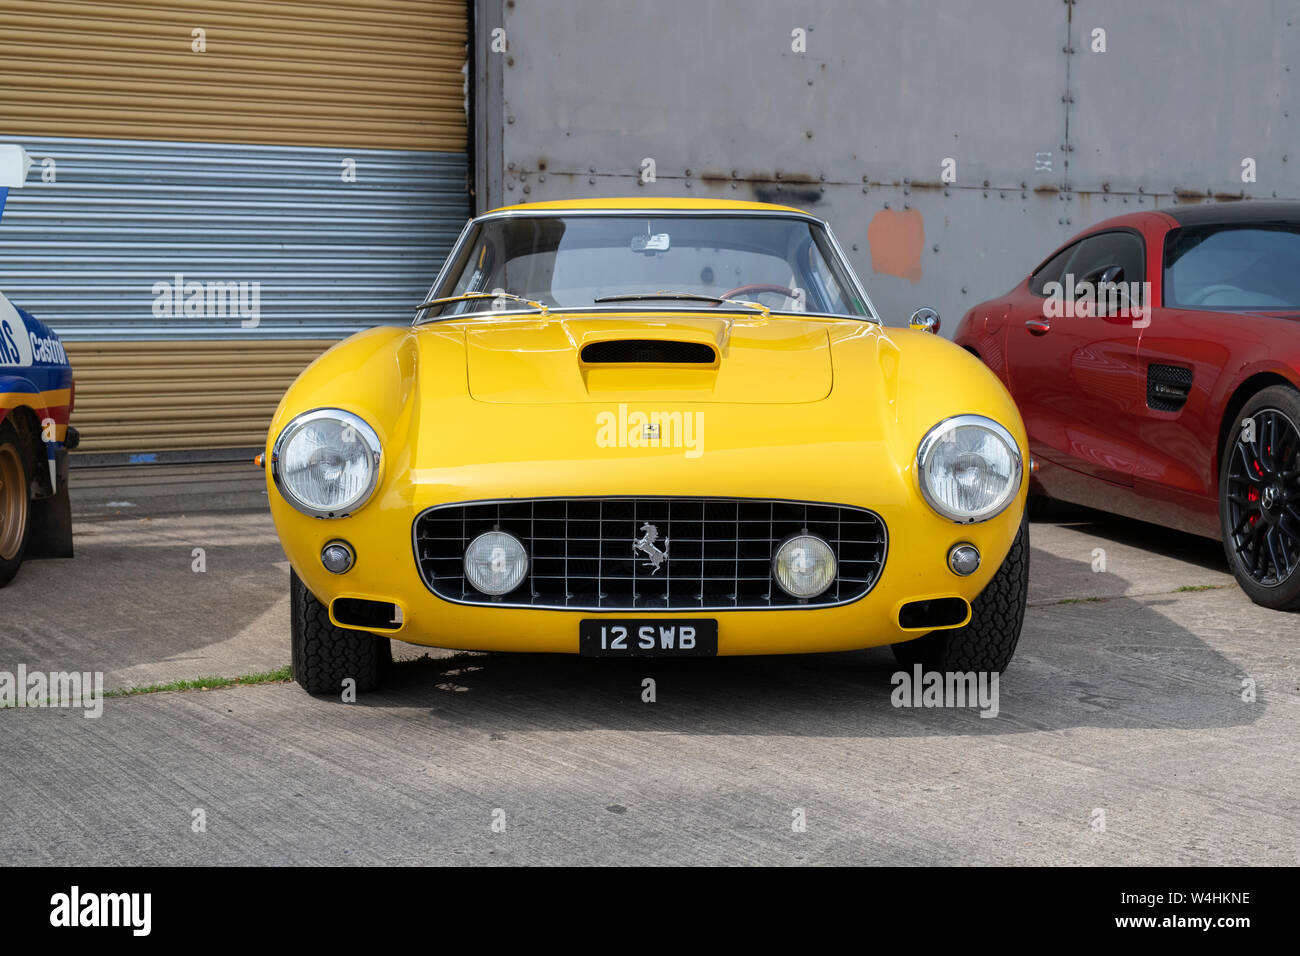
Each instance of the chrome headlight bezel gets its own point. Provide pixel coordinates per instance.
(360, 427)
(937, 434)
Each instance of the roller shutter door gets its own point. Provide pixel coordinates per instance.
(308, 164)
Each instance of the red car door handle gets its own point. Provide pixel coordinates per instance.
(1038, 326)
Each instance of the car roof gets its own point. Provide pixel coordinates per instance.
(1245, 210)
(636, 203)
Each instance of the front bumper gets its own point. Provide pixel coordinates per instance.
(385, 570)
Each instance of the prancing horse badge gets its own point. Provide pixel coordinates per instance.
(646, 545)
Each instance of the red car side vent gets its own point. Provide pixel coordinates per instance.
(1168, 387)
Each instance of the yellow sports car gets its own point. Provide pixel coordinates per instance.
(631, 428)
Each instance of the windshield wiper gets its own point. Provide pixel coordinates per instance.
(469, 296)
(692, 296)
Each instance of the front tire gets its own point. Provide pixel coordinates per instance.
(1259, 498)
(15, 494)
(988, 640)
(323, 655)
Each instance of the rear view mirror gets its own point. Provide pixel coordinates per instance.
(650, 243)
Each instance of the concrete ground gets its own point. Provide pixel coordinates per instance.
(1122, 737)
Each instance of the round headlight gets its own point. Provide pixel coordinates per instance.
(326, 462)
(804, 566)
(969, 468)
(495, 563)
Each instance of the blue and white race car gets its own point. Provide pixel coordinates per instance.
(36, 398)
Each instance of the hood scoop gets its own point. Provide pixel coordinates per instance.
(648, 352)
(612, 359)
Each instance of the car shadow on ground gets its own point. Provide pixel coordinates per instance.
(1192, 548)
(1119, 663)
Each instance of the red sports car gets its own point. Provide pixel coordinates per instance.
(1155, 358)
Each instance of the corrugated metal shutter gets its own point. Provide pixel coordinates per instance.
(220, 167)
(87, 252)
(375, 73)
(161, 396)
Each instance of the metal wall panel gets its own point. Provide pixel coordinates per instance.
(1047, 136)
(1183, 93)
(85, 253)
(376, 73)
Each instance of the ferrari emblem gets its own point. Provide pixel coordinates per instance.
(646, 545)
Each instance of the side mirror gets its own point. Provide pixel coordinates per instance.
(925, 320)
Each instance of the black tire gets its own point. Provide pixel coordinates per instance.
(323, 656)
(1261, 534)
(1039, 507)
(15, 500)
(988, 641)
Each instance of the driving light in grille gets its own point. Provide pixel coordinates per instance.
(804, 566)
(326, 462)
(495, 563)
(969, 468)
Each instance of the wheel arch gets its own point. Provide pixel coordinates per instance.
(1243, 393)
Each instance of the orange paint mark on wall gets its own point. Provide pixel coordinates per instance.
(897, 240)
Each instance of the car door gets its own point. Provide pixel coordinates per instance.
(1190, 354)
(1073, 365)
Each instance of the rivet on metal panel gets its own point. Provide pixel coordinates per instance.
(688, 172)
(528, 189)
(808, 133)
(866, 179)
(935, 247)
(866, 189)
(906, 191)
(778, 174)
(907, 205)
(886, 205)
(510, 119)
(591, 180)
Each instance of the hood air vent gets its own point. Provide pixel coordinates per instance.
(647, 352)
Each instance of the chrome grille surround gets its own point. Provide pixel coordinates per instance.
(581, 554)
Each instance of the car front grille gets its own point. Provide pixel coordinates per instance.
(582, 556)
